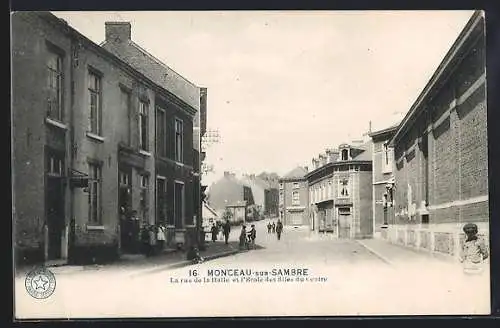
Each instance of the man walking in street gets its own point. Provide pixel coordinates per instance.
(226, 230)
(252, 234)
(279, 229)
(269, 226)
(274, 227)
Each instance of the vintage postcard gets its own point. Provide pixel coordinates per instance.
(249, 163)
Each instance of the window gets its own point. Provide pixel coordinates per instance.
(296, 185)
(161, 200)
(282, 198)
(144, 196)
(388, 159)
(55, 86)
(179, 205)
(143, 126)
(95, 103)
(161, 136)
(345, 154)
(124, 179)
(281, 185)
(344, 188)
(55, 165)
(330, 189)
(179, 136)
(295, 198)
(125, 104)
(94, 200)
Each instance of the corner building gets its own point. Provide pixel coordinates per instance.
(441, 152)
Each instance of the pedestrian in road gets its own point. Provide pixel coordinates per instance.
(273, 227)
(215, 231)
(160, 236)
(152, 239)
(252, 234)
(269, 227)
(474, 251)
(226, 229)
(243, 237)
(279, 229)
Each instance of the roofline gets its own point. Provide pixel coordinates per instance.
(383, 131)
(457, 46)
(51, 18)
(339, 163)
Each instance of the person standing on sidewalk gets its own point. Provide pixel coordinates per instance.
(226, 229)
(474, 251)
(279, 229)
(160, 236)
(269, 226)
(273, 226)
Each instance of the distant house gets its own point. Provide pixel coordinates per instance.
(293, 197)
(229, 190)
(238, 212)
(209, 215)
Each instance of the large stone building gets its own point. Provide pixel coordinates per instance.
(441, 152)
(293, 197)
(340, 191)
(174, 156)
(383, 179)
(265, 193)
(85, 145)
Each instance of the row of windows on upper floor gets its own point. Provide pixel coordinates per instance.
(55, 109)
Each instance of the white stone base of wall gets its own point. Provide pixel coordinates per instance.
(438, 239)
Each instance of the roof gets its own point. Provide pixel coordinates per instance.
(366, 155)
(297, 173)
(210, 211)
(378, 133)
(475, 25)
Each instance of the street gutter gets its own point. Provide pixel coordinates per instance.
(374, 252)
(180, 264)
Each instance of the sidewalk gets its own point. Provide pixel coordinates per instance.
(397, 255)
(140, 263)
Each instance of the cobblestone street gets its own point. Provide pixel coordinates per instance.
(344, 278)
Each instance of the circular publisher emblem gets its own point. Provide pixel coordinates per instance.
(40, 283)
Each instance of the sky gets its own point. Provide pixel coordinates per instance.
(285, 85)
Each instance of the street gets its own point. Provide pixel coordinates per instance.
(343, 278)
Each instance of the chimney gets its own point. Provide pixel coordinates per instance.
(118, 31)
(306, 168)
(227, 174)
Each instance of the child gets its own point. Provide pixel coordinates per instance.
(474, 251)
(194, 255)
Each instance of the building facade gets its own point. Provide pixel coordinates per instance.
(84, 144)
(383, 179)
(178, 154)
(293, 197)
(340, 192)
(441, 152)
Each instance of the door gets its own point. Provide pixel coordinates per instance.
(124, 210)
(55, 216)
(345, 218)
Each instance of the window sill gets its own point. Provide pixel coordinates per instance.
(385, 171)
(95, 228)
(144, 152)
(55, 123)
(95, 137)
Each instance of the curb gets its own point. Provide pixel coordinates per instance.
(374, 252)
(184, 263)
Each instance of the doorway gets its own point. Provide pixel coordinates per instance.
(128, 233)
(345, 218)
(55, 202)
(55, 216)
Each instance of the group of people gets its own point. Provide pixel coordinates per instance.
(225, 228)
(247, 238)
(275, 228)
